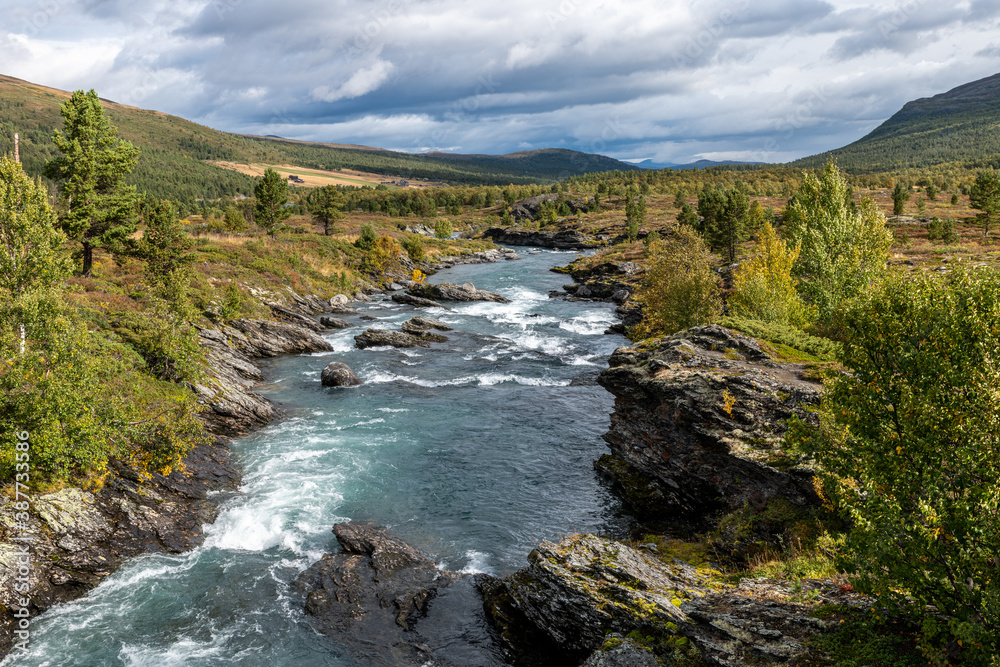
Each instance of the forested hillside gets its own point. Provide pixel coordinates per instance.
(960, 125)
(175, 151)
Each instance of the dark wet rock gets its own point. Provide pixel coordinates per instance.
(384, 337)
(422, 328)
(428, 336)
(453, 292)
(562, 240)
(337, 374)
(527, 209)
(426, 323)
(609, 281)
(371, 597)
(334, 322)
(698, 424)
(417, 301)
(340, 309)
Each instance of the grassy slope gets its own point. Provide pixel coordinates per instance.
(175, 150)
(959, 125)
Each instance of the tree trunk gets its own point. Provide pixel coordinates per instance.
(88, 259)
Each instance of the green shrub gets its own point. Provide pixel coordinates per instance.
(843, 247)
(84, 400)
(167, 344)
(763, 287)
(820, 349)
(414, 247)
(367, 238)
(679, 289)
(942, 230)
(908, 447)
(443, 229)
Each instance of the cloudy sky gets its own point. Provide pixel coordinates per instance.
(671, 80)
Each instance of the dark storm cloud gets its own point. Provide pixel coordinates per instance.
(645, 78)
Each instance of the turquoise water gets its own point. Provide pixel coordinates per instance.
(472, 451)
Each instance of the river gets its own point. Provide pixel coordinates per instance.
(471, 451)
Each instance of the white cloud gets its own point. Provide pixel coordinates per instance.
(671, 79)
(362, 82)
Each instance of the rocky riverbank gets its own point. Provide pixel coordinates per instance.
(79, 537)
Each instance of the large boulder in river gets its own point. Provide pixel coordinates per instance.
(386, 338)
(334, 322)
(370, 598)
(422, 328)
(698, 423)
(453, 292)
(425, 323)
(417, 301)
(339, 375)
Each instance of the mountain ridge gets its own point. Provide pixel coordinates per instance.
(176, 151)
(960, 124)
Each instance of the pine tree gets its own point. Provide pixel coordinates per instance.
(100, 210)
(324, 204)
(271, 193)
(900, 195)
(166, 249)
(985, 196)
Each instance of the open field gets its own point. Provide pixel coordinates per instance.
(316, 178)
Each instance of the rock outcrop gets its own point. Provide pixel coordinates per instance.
(559, 609)
(759, 622)
(485, 257)
(423, 328)
(588, 595)
(425, 323)
(417, 301)
(386, 338)
(698, 423)
(569, 239)
(337, 374)
(371, 597)
(228, 388)
(609, 281)
(334, 322)
(453, 292)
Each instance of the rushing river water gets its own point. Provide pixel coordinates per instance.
(472, 451)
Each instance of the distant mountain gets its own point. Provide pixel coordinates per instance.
(700, 164)
(175, 151)
(962, 124)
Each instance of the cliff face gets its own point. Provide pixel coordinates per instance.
(697, 425)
